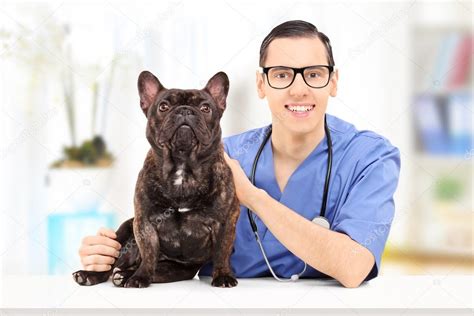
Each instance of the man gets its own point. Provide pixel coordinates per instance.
(297, 76)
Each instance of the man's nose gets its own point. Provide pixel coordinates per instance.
(299, 87)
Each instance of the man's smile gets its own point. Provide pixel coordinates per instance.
(300, 107)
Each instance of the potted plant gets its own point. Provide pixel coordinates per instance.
(78, 181)
(84, 173)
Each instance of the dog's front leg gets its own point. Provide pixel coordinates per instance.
(222, 275)
(147, 240)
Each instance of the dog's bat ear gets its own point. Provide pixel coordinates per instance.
(218, 87)
(148, 88)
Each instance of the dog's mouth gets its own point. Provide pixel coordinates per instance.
(184, 139)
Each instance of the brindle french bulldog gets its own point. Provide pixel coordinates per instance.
(186, 206)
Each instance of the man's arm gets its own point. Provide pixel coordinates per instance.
(332, 253)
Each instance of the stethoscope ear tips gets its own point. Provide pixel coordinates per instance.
(294, 277)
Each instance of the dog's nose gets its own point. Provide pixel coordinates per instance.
(185, 110)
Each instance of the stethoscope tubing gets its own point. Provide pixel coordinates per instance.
(294, 277)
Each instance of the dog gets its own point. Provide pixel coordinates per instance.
(186, 207)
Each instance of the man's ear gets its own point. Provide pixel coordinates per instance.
(218, 87)
(260, 84)
(148, 88)
(333, 82)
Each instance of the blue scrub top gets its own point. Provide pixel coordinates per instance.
(364, 177)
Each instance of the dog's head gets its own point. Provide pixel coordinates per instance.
(184, 121)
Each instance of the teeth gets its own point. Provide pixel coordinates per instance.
(300, 108)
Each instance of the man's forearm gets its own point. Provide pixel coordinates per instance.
(332, 253)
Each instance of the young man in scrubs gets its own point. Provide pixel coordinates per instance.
(290, 176)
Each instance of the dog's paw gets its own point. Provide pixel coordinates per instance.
(224, 281)
(120, 277)
(84, 277)
(137, 281)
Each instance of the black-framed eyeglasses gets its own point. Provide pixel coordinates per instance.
(281, 77)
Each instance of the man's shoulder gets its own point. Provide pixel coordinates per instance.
(354, 139)
(237, 144)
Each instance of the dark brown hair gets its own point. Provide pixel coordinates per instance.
(292, 29)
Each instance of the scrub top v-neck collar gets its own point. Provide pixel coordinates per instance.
(265, 177)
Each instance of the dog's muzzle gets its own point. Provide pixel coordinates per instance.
(184, 138)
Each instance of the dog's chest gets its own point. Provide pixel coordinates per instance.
(187, 237)
(178, 176)
(184, 185)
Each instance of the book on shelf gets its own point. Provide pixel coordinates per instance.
(443, 123)
(460, 130)
(445, 58)
(452, 62)
(459, 75)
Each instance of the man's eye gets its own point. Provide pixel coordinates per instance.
(163, 107)
(314, 75)
(282, 75)
(205, 108)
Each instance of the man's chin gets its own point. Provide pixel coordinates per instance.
(300, 128)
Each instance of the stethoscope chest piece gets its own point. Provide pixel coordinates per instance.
(321, 221)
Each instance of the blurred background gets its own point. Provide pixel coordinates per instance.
(72, 134)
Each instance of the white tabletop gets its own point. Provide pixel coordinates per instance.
(400, 294)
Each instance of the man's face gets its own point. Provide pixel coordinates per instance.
(297, 53)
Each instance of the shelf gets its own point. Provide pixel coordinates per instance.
(440, 16)
(443, 91)
(446, 160)
(444, 256)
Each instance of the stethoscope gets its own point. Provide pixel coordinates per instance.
(320, 220)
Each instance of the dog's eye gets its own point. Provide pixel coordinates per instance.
(163, 107)
(205, 108)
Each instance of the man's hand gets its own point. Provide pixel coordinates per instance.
(98, 252)
(246, 191)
